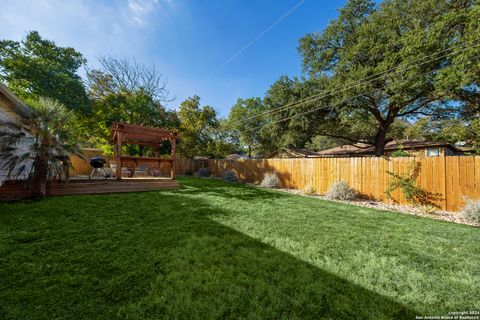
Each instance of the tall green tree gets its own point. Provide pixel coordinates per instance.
(124, 91)
(464, 132)
(224, 140)
(245, 118)
(202, 133)
(197, 124)
(319, 143)
(37, 67)
(367, 39)
(286, 101)
(461, 75)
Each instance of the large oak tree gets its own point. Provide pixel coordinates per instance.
(368, 39)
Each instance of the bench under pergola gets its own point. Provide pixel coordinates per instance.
(122, 133)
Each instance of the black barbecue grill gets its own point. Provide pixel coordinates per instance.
(97, 164)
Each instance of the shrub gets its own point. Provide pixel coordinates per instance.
(49, 149)
(202, 173)
(471, 211)
(310, 190)
(408, 185)
(230, 176)
(341, 191)
(271, 180)
(399, 153)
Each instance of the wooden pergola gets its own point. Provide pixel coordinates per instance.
(122, 133)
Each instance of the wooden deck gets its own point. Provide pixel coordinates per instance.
(12, 190)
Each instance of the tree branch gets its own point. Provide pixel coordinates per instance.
(347, 139)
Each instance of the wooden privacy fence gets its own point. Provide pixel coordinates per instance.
(81, 167)
(451, 178)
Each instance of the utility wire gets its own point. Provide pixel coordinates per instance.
(325, 93)
(258, 36)
(310, 111)
(329, 106)
(345, 87)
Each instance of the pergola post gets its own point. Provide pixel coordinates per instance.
(145, 136)
(118, 147)
(173, 173)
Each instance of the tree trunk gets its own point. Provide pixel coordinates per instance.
(382, 130)
(381, 138)
(250, 151)
(40, 174)
(380, 142)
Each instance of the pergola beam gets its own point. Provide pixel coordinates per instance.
(122, 133)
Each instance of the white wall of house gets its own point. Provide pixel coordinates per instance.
(11, 109)
(5, 115)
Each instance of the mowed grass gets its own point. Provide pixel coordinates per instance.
(214, 250)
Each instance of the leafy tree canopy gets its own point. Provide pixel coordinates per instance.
(368, 39)
(38, 67)
(47, 140)
(246, 117)
(288, 125)
(463, 132)
(124, 91)
(203, 134)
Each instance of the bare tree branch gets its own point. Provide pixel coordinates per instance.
(130, 75)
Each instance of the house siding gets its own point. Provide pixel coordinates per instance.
(7, 113)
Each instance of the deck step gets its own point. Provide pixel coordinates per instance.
(17, 190)
(113, 189)
(108, 184)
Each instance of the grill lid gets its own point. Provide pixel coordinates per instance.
(97, 162)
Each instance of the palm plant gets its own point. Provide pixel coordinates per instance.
(38, 148)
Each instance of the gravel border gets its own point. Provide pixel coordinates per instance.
(450, 216)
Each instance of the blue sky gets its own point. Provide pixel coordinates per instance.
(187, 40)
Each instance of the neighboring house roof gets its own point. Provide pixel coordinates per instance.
(345, 150)
(11, 105)
(295, 153)
(361, 149)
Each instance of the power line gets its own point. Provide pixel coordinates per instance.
(310, 111)
(329, 106)
(349, 86)
(258, 36)
(362, 81)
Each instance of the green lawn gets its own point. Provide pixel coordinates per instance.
(217, 250)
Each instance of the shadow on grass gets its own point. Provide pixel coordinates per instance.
(158, 255)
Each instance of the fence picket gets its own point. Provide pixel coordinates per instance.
(450, 177)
